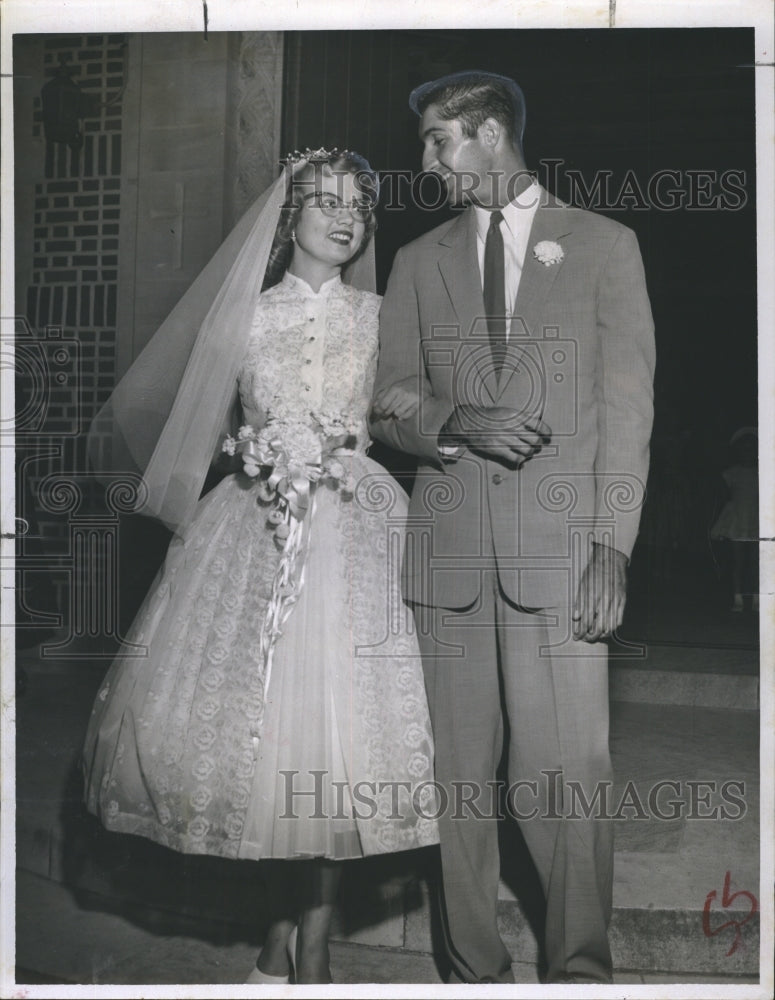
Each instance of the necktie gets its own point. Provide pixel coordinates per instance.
(495, 289)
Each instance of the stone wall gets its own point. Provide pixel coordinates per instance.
(179, 134)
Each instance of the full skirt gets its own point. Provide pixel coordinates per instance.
(333, 757)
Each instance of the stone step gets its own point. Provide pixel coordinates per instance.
(667, 687)
(385, 902)
(61, 940)
(741, 659)
(705, 677)
(665, 868)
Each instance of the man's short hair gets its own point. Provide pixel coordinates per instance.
(471, 97)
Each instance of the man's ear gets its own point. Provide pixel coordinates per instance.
(490, 132)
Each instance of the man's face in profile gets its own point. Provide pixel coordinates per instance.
(461, 162)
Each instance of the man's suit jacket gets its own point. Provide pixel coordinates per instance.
(580, 356)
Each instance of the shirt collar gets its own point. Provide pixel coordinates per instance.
(513, 214)
(298, 284)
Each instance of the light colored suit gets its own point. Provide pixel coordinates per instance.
(498, 542)
(581, 356)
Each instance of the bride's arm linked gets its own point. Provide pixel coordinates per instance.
(401, 374)
(401, 400)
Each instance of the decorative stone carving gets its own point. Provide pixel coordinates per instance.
(258, 110)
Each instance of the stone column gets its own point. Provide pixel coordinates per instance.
(254, 118)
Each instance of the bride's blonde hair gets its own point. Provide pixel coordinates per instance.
(348, 162)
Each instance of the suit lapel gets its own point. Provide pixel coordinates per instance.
(549, 223)
(459, 267)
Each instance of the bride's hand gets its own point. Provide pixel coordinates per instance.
(400, 400)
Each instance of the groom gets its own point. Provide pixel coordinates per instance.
(525, 328)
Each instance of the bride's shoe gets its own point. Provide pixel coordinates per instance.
(257, 976)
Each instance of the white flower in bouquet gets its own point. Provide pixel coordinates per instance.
(335, 469)
(293, 443)
(335, 424)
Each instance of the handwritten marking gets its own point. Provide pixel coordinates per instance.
(726, 902)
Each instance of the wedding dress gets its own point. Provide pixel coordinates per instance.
(192, 742)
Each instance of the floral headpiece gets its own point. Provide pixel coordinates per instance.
(321, 155)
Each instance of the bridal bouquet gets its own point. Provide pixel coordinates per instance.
(290, 453)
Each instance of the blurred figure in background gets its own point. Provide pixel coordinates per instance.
(737, 526)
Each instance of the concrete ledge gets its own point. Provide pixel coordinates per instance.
(688, 658)
(667, 687)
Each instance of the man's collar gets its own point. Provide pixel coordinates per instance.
(513, 213)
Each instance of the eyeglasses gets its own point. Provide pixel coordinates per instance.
(331, 204)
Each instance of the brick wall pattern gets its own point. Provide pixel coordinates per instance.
(69, 337)
(76, 227)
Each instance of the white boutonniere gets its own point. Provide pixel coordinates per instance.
(548, 252)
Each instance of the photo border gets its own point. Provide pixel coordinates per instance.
(47, 16)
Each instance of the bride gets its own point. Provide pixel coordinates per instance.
(268, 702)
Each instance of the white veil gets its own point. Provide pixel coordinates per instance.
(165, 417)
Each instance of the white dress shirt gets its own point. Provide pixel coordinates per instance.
(515, 229)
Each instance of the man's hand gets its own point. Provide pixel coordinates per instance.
(497, 432)
(601, 596)
(400, 400)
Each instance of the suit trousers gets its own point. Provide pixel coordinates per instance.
(479, 662)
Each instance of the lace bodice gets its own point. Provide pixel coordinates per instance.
(311, 352)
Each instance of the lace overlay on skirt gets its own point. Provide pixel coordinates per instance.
(184, 745)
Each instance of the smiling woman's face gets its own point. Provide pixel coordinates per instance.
(327, 229)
